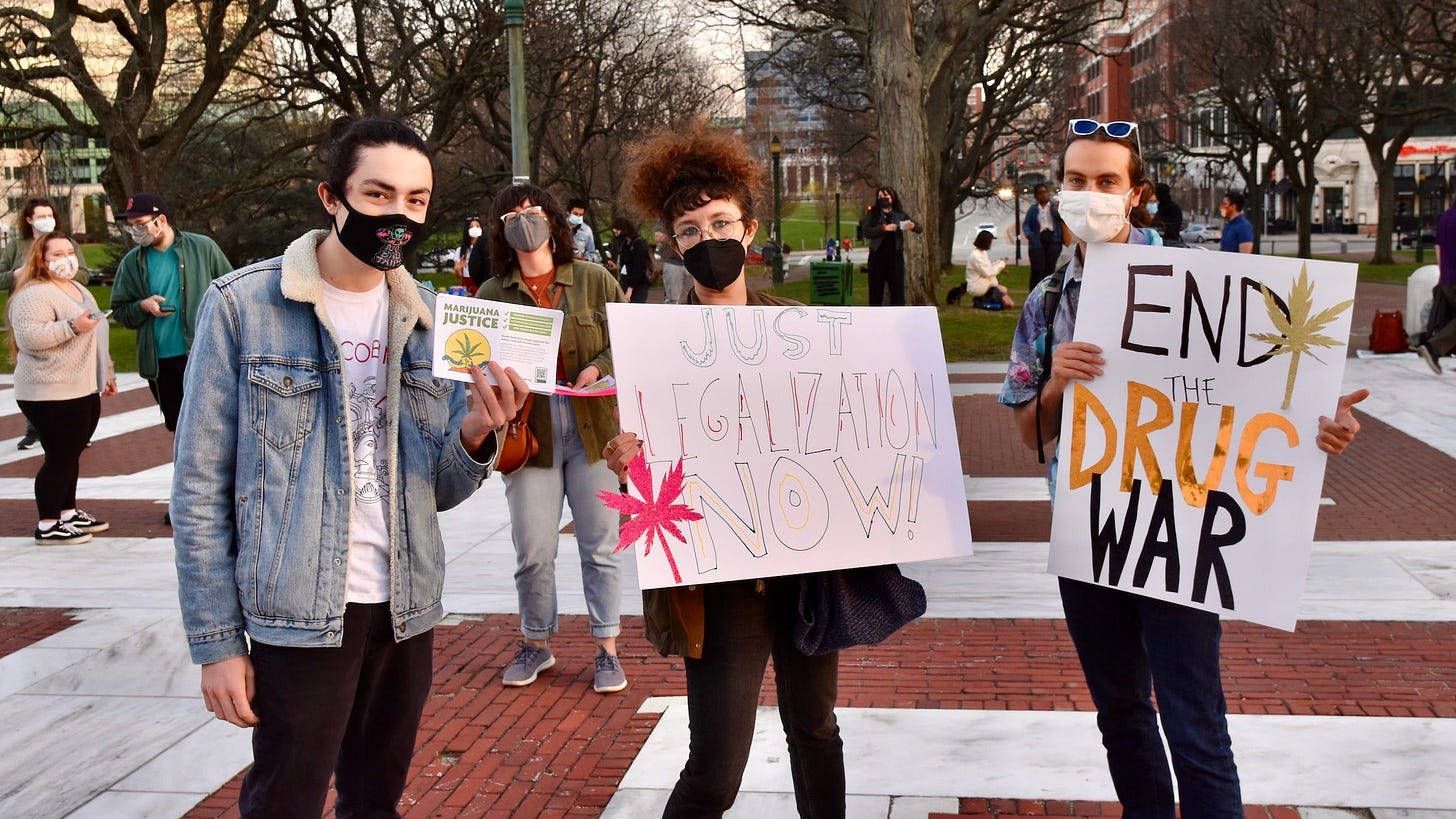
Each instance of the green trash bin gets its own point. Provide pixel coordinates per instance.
(831, 282)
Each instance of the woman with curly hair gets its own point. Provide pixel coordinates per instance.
(702, 185)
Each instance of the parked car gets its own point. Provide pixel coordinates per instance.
(1198, 232)
(986, 226)
(1407, 237)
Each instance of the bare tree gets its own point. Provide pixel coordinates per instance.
(136, 76)
(920, 59)
(1385, 87)
(598, 74)
(1270, 74)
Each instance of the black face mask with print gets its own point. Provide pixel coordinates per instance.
(378, 241)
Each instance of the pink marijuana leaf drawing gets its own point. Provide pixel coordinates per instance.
(654, 518)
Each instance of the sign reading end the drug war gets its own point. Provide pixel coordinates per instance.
(810, 438)
(1188, 470)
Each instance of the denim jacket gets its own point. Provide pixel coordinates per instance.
(262, 490)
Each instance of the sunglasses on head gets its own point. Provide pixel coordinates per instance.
(1116, 130)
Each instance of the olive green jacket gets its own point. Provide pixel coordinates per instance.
(586, 289)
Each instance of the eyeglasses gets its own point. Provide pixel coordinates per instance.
(689, 235)
(535, 210)
(1116, 130)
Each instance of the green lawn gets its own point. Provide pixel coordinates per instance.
(803, 228)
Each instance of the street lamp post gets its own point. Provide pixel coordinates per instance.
(776, 149)
(515, 14)
(1013, 193)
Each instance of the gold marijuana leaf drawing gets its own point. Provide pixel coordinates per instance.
(466, 350)
(1300, 333)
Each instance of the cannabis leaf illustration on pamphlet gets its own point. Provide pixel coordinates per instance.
(654, 518)
(1299, 333)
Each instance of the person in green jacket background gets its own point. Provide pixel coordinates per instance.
(159, 285)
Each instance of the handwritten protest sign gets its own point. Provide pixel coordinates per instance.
(1188, 471)
(474, 331)
(811, 438)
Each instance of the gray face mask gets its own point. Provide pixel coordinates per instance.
(141, 234)
(527, 232)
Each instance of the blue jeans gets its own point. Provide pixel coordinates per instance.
(1129, 644)
(534, 496)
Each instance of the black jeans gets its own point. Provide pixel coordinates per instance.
(167, 388)
(887, 267)
(64, 427)
(351, 711)
(1043, 258)
(742, 628)
(1441, 327)
(1128, 645)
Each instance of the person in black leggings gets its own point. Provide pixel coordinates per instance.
(62, 368)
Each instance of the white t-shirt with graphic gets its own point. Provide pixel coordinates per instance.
(361, 321)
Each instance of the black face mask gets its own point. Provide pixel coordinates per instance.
(716, 263)
(885, 201)
(378, 241)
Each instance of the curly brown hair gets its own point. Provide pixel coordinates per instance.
(674, 172)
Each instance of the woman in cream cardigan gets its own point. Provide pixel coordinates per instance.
(58, 342)
(981, 272)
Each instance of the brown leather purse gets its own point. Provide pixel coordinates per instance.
(518, 443)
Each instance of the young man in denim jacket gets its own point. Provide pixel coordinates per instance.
(314, 451)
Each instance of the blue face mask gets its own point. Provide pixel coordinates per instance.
(1153, 208)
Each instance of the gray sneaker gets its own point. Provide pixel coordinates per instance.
(609, 676)
(530, 660)
(1429, 356)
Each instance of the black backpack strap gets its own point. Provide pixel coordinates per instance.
(1051, 300)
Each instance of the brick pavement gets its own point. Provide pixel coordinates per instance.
(24, 627)
(557, 749)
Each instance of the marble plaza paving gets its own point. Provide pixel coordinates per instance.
(978, 709)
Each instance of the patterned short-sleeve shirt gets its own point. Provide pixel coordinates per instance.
(1023, 374)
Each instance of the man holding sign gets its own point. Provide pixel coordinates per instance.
(1129, 643)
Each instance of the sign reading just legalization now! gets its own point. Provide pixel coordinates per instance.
(1188, 470)
(810, 438)
(473, 331)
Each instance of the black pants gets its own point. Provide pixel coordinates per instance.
(887, 267)
(742, 629)
(1043, 258)
(64, 428)
(1441, 327)
(167, 388)
(351, 711)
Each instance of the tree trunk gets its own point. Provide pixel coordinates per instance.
(1305, 203)
(1384, 164)
(894, 83)
(1383, 156)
